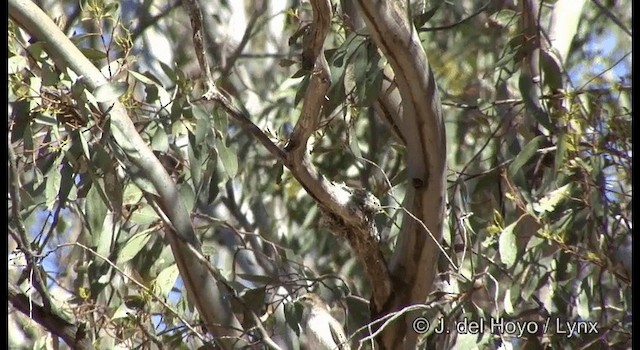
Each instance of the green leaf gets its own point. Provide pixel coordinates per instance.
(110, 91)
(194, 163)
(551, 68)
(50, 76)
(423, 18)
(549, 202)
(52, 186)
(95, 209)
(302, 88)
(135, 302)
(527, 152)
(561, 153)
(142, 181)
(166, 280)
(508, 306)
(131, 195)
(505, 17)
(300, 73)
(22, 123)
(144, 215)
(144, 79)
(92, 53)
(373, 87)
(285, 62)
(530, 283)
(113, 190)
(214, 178)
(530, 97)
(279, 172)
(16, 64)
(228, 158)
(168, 71)
(66, 183)
(254, 298)
(122, 311)
(293, 316)
(335, 96)
(133, 245)
(354, 147)
(507, 245)
(221, 122)
(187, 195)
(84, 144)
(36, 50)
(534, 242)
(159, 140)
(584, 311)
(469, 340)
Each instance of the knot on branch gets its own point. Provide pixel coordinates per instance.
(361, 207)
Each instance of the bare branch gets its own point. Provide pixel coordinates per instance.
(195, 14)
(346, 208)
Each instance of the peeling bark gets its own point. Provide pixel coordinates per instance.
(414, 263)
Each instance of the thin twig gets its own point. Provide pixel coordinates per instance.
(148, 22)
(449, 26)
(613, 18)
(195, 14)
(264, 334)
(23, 242)
(139, 285)
(248, 32)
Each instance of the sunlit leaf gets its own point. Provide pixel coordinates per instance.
(549, 202)
(122, 311)
(187, 195)
(134, 245)
(144, 79)
(505, 17)
(293, 315)
(131, 195)
(195, 163)
(110, 91)
(424, 17)
(159, 140)
(52, 187)
(92, 53)
(228, 158)
(144, 215)
(527, 152)
(507, 245)
(166, 280)
(469, 340)
(16, 64)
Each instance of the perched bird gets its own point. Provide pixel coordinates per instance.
(322, 331)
